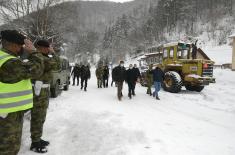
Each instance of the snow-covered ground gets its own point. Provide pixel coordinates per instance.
(96, 123)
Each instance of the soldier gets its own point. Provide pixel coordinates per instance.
(119, 77)
(105, 76)
(76, 74)
(41, 96)
(16, 94)
(99, 76)
(149, 80)
(85, 75)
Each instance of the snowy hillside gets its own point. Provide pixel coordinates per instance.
(96, 123)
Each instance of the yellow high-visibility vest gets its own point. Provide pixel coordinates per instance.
(17, 96)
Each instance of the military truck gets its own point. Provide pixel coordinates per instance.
(61, 78)
(175, 59)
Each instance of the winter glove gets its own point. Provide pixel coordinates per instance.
(3, 115)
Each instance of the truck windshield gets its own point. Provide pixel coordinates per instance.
(183, 53)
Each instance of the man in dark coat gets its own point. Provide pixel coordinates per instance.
(119, 77)
(158, 77)
(137, 76)
(194, 50)
(131, 80)
(76, 74)
(85, 75)
(105, 76)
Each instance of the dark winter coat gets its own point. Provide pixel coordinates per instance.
(137, 73)
(118, 74)
(131, 76)
(158, 75)
(106, 72)
(85, 72)
(76, 71)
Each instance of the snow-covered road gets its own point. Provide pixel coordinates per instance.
(96, 123)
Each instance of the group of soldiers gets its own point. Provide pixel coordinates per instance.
(81, 72)
(102, 75)
(25, 74)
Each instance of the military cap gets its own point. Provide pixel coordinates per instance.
(43, 43)
(13, 36)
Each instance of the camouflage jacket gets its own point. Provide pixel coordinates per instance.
(15, 70)
(99, 73)
(51, 63)
(149, 76)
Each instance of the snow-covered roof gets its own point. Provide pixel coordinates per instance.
(174, 43)
(232, 36)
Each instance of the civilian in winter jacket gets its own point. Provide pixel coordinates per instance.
(85, 75)
(76, 74)
(118, 75)
(158, 77)
(131, 80)
(105, 76)
(137, 75)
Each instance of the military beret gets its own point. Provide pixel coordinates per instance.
(13, 36)
(43, 43)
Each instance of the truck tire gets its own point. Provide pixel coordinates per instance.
(66, 87)
(172, 82)
(56, 90)
(194, 88)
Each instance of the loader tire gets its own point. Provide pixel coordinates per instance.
(172, 82)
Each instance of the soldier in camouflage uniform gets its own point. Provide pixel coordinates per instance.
(13, 71)
(41, 98)
(99, 75)
(149, 79)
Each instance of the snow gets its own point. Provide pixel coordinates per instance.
(96, 123)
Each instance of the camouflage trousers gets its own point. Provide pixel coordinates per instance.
(149, 87)
(99, 83)
(38, 114)
(119, 87)
(10, 133)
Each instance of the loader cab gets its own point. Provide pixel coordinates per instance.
(175, 51)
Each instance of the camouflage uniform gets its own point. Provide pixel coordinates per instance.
(99, 76)
(149, 79)
(13, 71)
(41, 102)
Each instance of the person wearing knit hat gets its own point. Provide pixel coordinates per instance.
(15, 88)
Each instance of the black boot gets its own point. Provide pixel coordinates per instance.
(157, 98)
(38, 147)
(129, 95)
(44, 142)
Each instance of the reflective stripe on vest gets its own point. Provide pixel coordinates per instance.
(17, 96)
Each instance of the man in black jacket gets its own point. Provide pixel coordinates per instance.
(76, 74)
(105, 76)
(118, 75)
(137, 76)
(85, 75)
(131, 80)
(158, 77)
